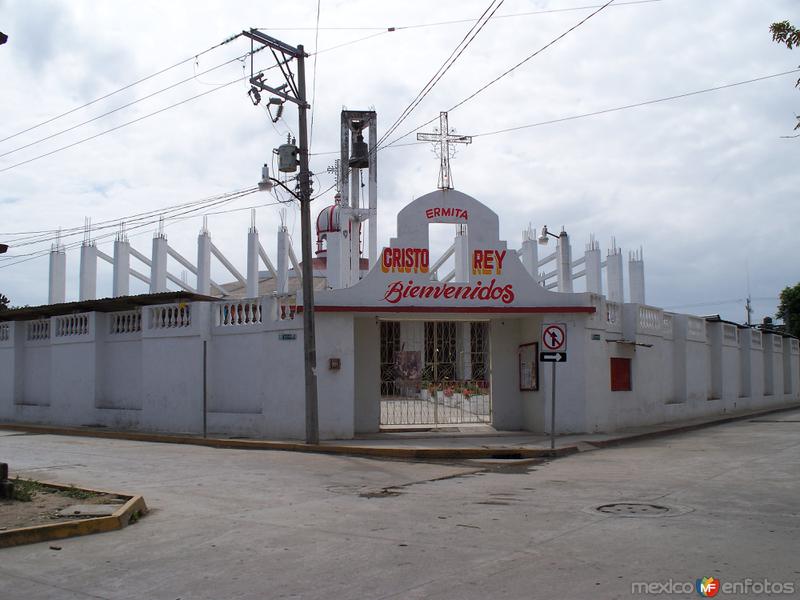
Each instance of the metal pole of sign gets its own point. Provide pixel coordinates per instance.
(553, 408)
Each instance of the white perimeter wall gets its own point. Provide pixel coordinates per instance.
(144, 370)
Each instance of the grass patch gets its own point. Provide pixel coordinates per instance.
(76, 493)
(25, 489)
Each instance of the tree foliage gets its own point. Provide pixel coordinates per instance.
(784, 32)
(789, 309)
(4, 301)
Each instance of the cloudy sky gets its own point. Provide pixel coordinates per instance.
(705, 184)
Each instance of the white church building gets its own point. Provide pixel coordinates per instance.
(399, 343)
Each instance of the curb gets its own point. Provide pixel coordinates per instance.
(396, 452)
(58, 531)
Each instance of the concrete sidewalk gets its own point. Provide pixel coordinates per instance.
(247, 525)
(467, 442)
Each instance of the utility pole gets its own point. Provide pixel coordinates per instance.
(296, 92)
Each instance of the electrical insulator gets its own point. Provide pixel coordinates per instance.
(265, 184)
(287, 158)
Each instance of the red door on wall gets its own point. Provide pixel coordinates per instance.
(621, 375)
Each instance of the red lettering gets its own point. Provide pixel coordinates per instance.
(399, 290)
(394, 292)
(396, 254)
(500, 258)
(488, 262)
(475, 291)
(485, 293)
(458, 213)
(386, 260)
(477, 261)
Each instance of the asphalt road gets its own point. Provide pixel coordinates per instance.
(237, 524)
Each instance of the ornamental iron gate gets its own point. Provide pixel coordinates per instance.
(434, 372)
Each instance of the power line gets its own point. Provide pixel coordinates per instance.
(75, 244)
(637, 104)
(351, 42)
(454, 22)
(122, 89)
(314, 81)
(449, 61)
(129, 104)
(599, 112)
(131, 221)
(143, 117)
(516, 66)
(27, 234)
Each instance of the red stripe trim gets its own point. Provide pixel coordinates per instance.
(460, 309)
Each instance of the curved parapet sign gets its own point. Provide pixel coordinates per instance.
(401, 278)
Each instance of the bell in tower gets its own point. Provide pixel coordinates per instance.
(359, 157)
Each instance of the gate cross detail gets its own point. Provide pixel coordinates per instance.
(444, 139)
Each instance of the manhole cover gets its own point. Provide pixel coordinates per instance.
(633, 509)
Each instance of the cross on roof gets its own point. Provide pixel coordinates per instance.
(444, 137)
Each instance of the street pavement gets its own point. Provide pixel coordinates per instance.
(241, 524)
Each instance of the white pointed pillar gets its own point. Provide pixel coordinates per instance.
(87, 289)
(564, 264)
(594, 271)
(122, 268)
(636, 276)
(614, 274)
(529, 253)
(57, 289)
(158, 268)
(204, 262)
(252, 262)
(283, 261)
(461, 257)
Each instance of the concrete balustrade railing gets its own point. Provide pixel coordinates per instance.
(170, 316)
(5, 332)
(238, 313)
(72, 325)
(37, 330)
(696, 329)
(129, 321)
(650, 320)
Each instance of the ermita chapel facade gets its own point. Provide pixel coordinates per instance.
(396, 346)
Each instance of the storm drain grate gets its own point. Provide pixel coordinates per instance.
(634, 509)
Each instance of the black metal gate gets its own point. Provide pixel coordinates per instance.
(434, 372)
